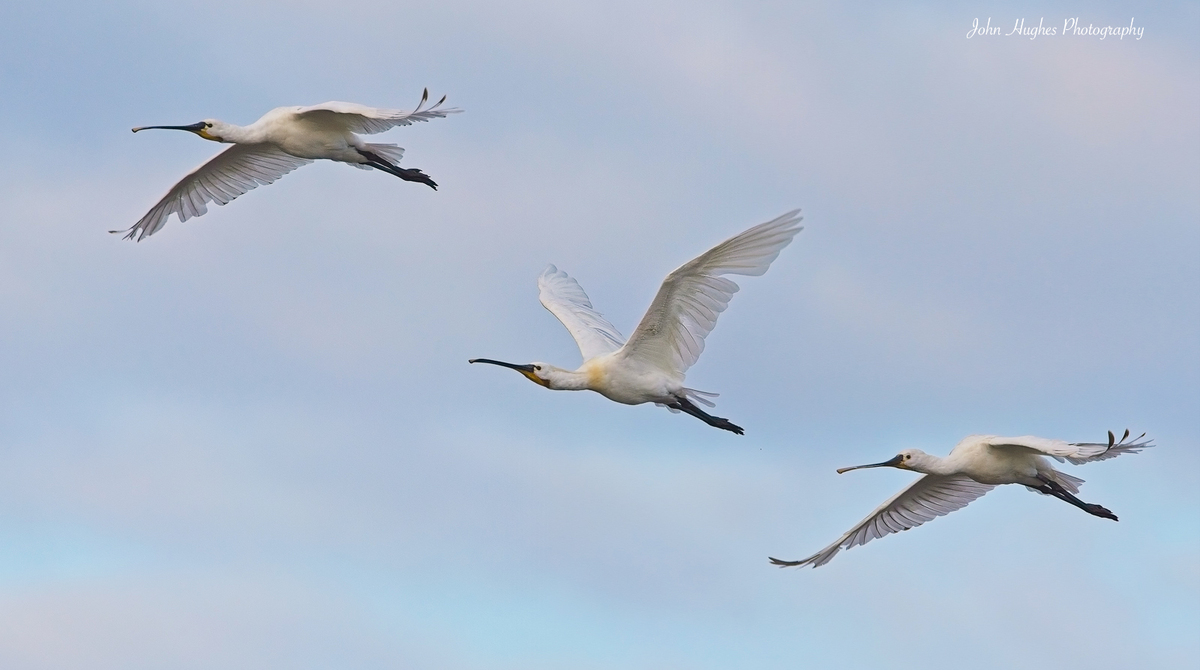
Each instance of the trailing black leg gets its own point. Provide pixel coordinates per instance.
(1053, 488)
(407, 174)
(685, 405)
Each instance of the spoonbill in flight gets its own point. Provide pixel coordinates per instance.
(975, 466)
(650, 366)
(281, 141)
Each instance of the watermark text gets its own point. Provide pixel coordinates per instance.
(1071, 28)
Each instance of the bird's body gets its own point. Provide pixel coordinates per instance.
(975, 466)
(628, 381)
(977, 458)
(284, 139)
(289, 130)
(651, 365)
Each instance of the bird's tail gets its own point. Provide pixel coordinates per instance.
(701, 397)
(1068, 482)
(389, 152)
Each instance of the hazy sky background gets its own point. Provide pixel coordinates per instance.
(254, 441)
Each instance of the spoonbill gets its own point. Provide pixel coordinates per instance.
(650, 366)
(281, 141)
(975, 466)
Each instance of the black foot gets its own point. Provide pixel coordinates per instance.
(726, 424)
(1053, 488)
(1099, 511)
(413, 174)
(407, 174)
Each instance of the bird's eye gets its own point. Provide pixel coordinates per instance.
(207, 125)
(907, 456)
(537, 367)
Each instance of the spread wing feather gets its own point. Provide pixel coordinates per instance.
(925, 499)
(565, 299)
(227, 175)
(1076, 453)
(365, 120)
(685, 310)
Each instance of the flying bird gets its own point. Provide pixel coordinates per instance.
(650, 366)
(975, 466)
(281, 141)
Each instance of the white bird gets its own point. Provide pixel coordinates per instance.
(975, 466)
(650, 367)
(281, 141)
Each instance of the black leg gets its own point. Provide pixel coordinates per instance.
(685, 405)
(407, 174)
(1052, 488)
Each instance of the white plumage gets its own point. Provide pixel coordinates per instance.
(651, 366)
(564, 298)
(975, 466)
(282, 140)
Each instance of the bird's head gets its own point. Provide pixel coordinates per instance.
(209, 129)
(538, 373)
(909, 459)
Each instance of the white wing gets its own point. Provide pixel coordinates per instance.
(565, 299)
(927, 498)
(357, 118)
(227, 175)
(1074, 452)
(671, 334)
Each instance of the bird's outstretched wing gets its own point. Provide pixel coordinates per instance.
(565, 299)
(927, 498)
(1074, 452)
(365, 120)
(227, 175)
(671, 334)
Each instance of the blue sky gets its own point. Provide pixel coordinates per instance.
(253, 440)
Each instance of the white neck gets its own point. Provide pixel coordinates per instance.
(930, 465)
(567, 380)
(230, 133)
